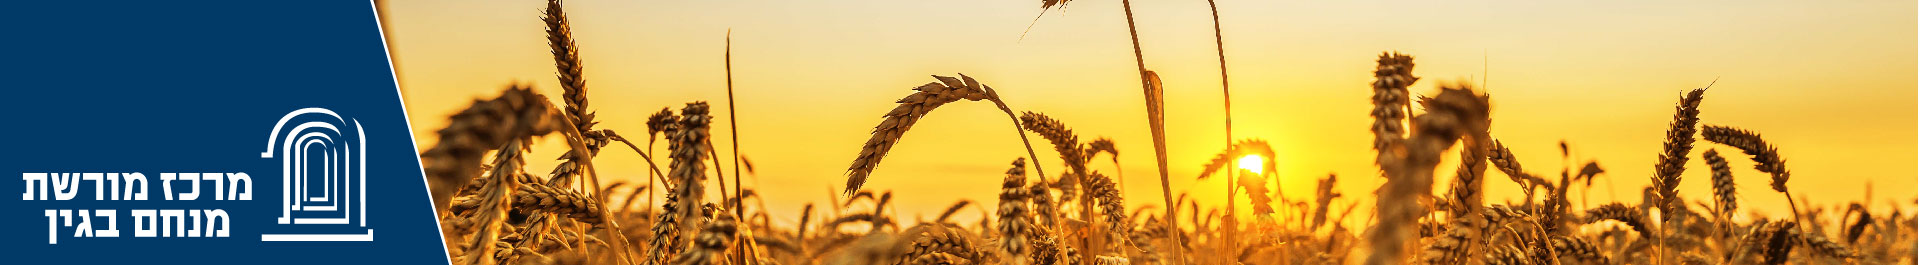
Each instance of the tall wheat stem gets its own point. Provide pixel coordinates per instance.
(733, 125)
(1158, 126)
(1226, 95)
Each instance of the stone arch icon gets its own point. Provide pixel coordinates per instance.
(323, 175)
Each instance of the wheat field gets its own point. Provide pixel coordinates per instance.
(495, 210)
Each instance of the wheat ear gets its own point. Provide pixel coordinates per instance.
(686, 136)
(1230, 157)
(1044, 208)
(1074, 154)
(517, 113)
(1391, 79)
(931, 240)
(1063, 139)
(1392, 76)
(1244, 148)
(1765, 156)
(913, 107)
(1466, 189)
(573, 84)
(1673, 155)
(1779, 240)
(1723, 187)
(1014, 222)
(658, 123)
(1622, 213)
(1579, 250)
(1409, 163)
(536, 197)
(1113, 206)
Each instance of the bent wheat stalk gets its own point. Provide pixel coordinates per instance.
(930, 96)
(486, 125)
(1766, 158)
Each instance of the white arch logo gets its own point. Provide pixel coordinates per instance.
(323, 180)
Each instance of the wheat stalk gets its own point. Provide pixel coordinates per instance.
(1075, 154)
(1765, 156)
(1014, 222)
(1723, 187)
(1063, 139)
(929, 96)
(1391, 79)
(686, 136)
(1226, 102)
(1230, 157)
(658, 123)
(1103, 144)
(1409, 162)
(573, 84)
(517, 113)
(1156, 121)
(1113, 207)
(1044, 208)
(1673, 156)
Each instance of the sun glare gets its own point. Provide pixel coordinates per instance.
(1252, 163)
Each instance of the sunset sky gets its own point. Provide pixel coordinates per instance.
(1830, 83)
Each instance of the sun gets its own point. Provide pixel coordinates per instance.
(1253, 163)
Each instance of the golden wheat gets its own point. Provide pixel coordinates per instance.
(930, 96)
(1673, 156)
(497, 213)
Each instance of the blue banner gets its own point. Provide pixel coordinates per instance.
(226, 132)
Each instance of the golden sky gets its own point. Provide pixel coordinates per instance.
(1831, 83)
